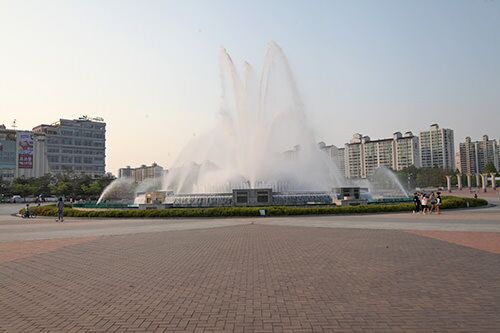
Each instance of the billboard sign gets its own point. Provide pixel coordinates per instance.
(25, 150)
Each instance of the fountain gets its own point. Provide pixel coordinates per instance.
(126, 190)
(260, 119)
(384, 184)
(261, 140)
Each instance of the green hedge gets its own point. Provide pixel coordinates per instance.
(448, 202)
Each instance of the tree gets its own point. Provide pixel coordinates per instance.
(5, 189)
(60, 188)
(408, 177)
(92, 189)
(23, 189)
(76, 185)
(490, 168)
(430, 177)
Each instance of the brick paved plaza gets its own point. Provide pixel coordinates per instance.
(249, 277)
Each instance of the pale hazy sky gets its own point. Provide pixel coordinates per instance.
(150, 68)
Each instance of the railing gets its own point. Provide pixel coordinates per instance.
(104, 205)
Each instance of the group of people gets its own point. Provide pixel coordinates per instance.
(60, 206)
(427, 203)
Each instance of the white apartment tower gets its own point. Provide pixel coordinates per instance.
(336, 154)
(475, 155)
(437, 148)
(377, 153)
(407, 150)
(363, 156)
(354, 157)
(139, 174)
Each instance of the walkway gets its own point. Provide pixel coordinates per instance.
(391, 272)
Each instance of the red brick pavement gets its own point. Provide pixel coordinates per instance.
(23, 249)
(486, 241)
(254, 278)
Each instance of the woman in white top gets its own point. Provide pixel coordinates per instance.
(425, 204)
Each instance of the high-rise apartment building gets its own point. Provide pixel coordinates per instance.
(407, 151)
(354, 157)
(141, 173)
(77, 145)
(336, 154)
(363, 155)
(437, 148)
(475, 155)
(377, 153)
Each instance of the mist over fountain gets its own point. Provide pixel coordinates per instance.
(261, 140)
(261, 117)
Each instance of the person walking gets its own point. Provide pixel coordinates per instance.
(60, 207)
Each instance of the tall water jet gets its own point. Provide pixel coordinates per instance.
(384, 183)
(260, 119)
(118, 189)
(127, 189)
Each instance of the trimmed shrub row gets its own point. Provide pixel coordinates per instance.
(448, 202)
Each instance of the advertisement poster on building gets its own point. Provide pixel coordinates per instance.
(25, 150)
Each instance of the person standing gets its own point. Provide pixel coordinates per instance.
(425, 203)
(438, 203)
(27, 213)
(60, 207)
(433, 202)
(416, 201)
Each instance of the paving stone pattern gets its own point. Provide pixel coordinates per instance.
(486, 241)
(254, 278)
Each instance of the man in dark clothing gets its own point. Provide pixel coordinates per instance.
(416, 201)
(60, 207)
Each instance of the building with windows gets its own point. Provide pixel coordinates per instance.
(354, 156)
(437, 148)
(475, 155)
(33, 161)
(336, 154)
(292, 154)
(378, 153)
(363, 155)
(22, 154)
(141, 173)
(77, 146)
(407, 150)
(8, 153)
